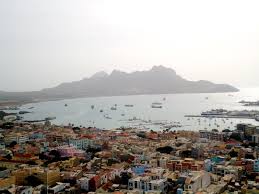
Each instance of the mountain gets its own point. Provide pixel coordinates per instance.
(158, 80)
(101, 74)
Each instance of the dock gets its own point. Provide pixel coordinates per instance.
(220, 116)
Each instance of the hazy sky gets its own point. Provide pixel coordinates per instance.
(46, 42)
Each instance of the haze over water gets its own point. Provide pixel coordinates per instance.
(175, 107)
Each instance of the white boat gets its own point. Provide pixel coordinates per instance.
(107, 117)
(156, 105)
(128, 105)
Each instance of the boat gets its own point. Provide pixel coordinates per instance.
(113, 108)
(257, 117)
(214, 112)
(101, 110)
(65, 104)
(50, 118)
(107, 117)
(128, 105)
(156, 105)
(92, 107)
(123, 115)
(31, 107)
(164, 99)
(24, 112)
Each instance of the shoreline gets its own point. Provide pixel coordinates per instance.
(15, 103)
(19, 103)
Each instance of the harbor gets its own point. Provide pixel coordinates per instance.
(225, 114)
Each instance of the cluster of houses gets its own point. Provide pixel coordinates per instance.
(45, 158)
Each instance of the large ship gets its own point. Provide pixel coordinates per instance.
(215, 112)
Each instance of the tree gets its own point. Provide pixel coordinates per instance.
(233, 154)
(43, 190)
(142, 135)
(12, 144)
(117, 180)
(215, 130)
(2, 168)
(166, 149)
(125, 176)
(125, 157)
(249, 156)
(55, 154)
(226, 131)
(236, 136)
(42, 156)
(8, 125)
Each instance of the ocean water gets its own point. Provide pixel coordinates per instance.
(175, 107)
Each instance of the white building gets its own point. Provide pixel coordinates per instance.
(255, 138)
(18, 138)
(197, 180)
(59, 187)
(146, 184)
(24, 190)
(84, 183)
(225, 170)
(81, 143)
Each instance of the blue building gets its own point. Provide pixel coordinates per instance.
(256, 165)
(139, 170)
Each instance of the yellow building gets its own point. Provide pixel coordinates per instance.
(49, 177)
(9, 165)
(67, 164)
(5, 183)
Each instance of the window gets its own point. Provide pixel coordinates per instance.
(136, 184)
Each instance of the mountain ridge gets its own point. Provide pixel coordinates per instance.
(157, 80)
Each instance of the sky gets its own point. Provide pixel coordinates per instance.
(46, 42)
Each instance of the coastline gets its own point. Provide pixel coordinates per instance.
(15, 103)
(23, 102)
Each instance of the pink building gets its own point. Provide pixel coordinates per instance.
(71, 151)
